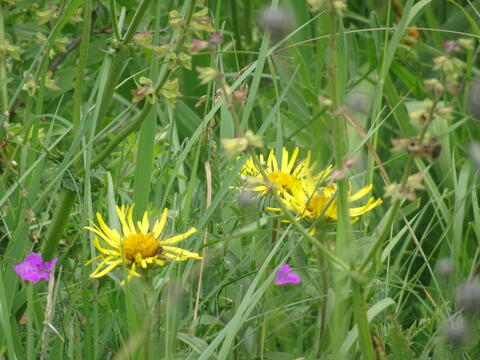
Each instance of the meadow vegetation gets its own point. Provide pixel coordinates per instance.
(208, 179)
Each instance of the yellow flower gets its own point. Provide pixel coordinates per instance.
(287, 178)
(138, 245)
(321, 202)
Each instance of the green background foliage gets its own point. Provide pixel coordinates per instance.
(78, 144)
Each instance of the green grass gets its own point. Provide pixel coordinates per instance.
(370, 289)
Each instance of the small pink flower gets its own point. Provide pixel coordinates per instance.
(449, 46)
(285, 276)
(33, 268)
(216, 38)
(199, 45)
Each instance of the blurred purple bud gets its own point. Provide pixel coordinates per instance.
(455, 331)
(472, 99)
(276, 20)
(216, 38)
(468, 296)
(449, 46)
(473, 151)
(246, 199)
(444, 267)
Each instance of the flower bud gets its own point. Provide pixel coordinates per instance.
(468, 296)
(472, 99)
(473, 151)
(246, 199)
(466, 43)
(444, 268)
(455, 331)
(276, 20)
(206, 74)
(445, 112)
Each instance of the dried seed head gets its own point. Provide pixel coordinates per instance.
(276, 20)
(455, 331)
(468, 296)
(444, 267)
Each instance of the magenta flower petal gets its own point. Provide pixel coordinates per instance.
(33, 268)
(285, 276)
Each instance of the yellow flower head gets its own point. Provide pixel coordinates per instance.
(321, 202)
(286, 177)
(138, 245)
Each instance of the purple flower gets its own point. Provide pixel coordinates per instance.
(285, 276)
(33, 268)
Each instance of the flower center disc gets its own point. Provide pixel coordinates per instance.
(281, 179)
(143, 244)
(317, 203)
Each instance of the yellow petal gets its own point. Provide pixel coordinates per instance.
(111, 233)
(92, 260)
(271, 162)
(177, 238)
(290, 164)
(121, 216)
(132, 270)
(130, 220)
(363, 209)
(109, 241)
(145, 225)
(109, 268)
(181, 253)
(103, 250)
(159, 225)
(361, 193)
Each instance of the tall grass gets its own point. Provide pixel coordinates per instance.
(105, 103)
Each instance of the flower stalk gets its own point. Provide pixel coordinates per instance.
(3, 71)
(343, 233)
(82, 61)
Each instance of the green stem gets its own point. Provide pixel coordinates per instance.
(236, 28)
(122, 135)
(59, 221)
(382, 235)
(137, 17)
(3, 71)
(31, 314)
(113, 16)
(119, 58)
(114, 74)
(343, 233)
(364, 336)
(82, 61)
